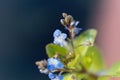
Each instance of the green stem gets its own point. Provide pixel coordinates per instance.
(94, 76)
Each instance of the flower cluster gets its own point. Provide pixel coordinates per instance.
(70, 24)
(59, 37)
(53, 66)
(72, 57)
(54, 63)
(50, 67)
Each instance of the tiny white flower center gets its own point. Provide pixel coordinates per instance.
(54, 62)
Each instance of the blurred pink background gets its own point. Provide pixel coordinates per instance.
(107, 20)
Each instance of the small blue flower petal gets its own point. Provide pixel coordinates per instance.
(56, 33)
(59, 65)
(77, 30)
(60, 77)
(51, 75)
(59, 37)
(74, 23)
(54, 63)
(63, 36)
(55, 77)
(51, 67)
(56, 41)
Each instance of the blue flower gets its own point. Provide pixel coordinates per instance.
(51, 75)
(55, 77)
(58, 78)
(54, 63)
(74, 24)
(59, 37)
(77, 30)
(51, 67)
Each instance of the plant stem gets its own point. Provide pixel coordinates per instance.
(71, 37)
(94, 76)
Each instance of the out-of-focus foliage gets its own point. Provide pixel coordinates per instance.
(114, 70)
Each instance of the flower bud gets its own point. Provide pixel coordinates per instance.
(68, 19)
(41, 64)
(63, 22)
(64, 14)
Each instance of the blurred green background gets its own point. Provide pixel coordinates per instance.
(26, 26)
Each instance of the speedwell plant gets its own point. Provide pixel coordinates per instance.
(72, 57)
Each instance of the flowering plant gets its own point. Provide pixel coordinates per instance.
(75, 57)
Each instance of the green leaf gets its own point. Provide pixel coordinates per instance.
(52, 49)
(87, 36)
(87, 60)
(103, 78)
(97, 61)
(83, 53)
(78, 76)
(74, 76)
(89, 56)
(114, 71)
(92, 60)
(67, 77)
(80, 59)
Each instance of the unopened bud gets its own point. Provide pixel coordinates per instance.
(41, 64)
(63, 22)
(64, 14)
(68, 19)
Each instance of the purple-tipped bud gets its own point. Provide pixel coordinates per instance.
(74, 23)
